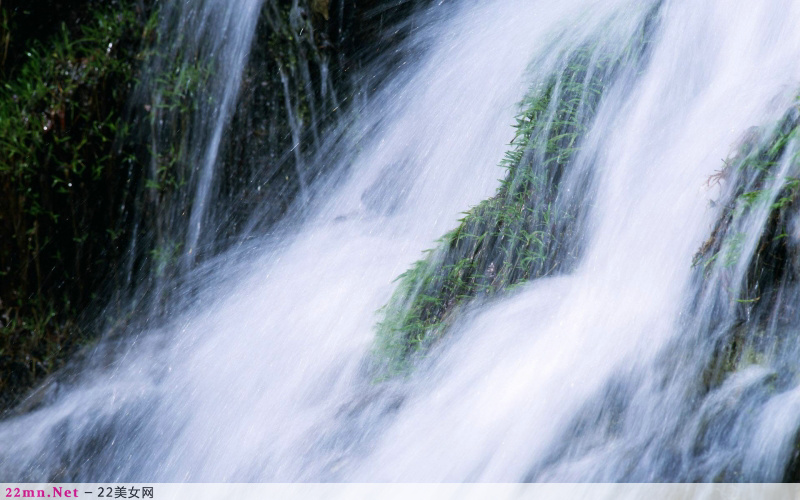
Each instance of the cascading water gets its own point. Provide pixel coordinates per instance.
(190, 87)
(597, 373)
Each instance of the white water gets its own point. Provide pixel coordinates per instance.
(214, 34)
(268, 379)
(231, 47)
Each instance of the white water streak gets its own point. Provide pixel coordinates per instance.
(231, 46)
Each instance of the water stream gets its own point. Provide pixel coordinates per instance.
(588, 375)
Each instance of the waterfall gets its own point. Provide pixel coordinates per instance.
(190, 84)
(601, 363)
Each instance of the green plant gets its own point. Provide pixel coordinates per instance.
(63, 179)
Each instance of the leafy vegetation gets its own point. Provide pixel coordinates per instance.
(63, 180)
(102, 107)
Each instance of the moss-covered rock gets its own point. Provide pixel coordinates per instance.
(749, 268)
(531, 227)
(754, 274)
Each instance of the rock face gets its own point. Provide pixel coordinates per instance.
(94, 170)
(63, 172)
(761, 188)
(304, 74)
(749, 267)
